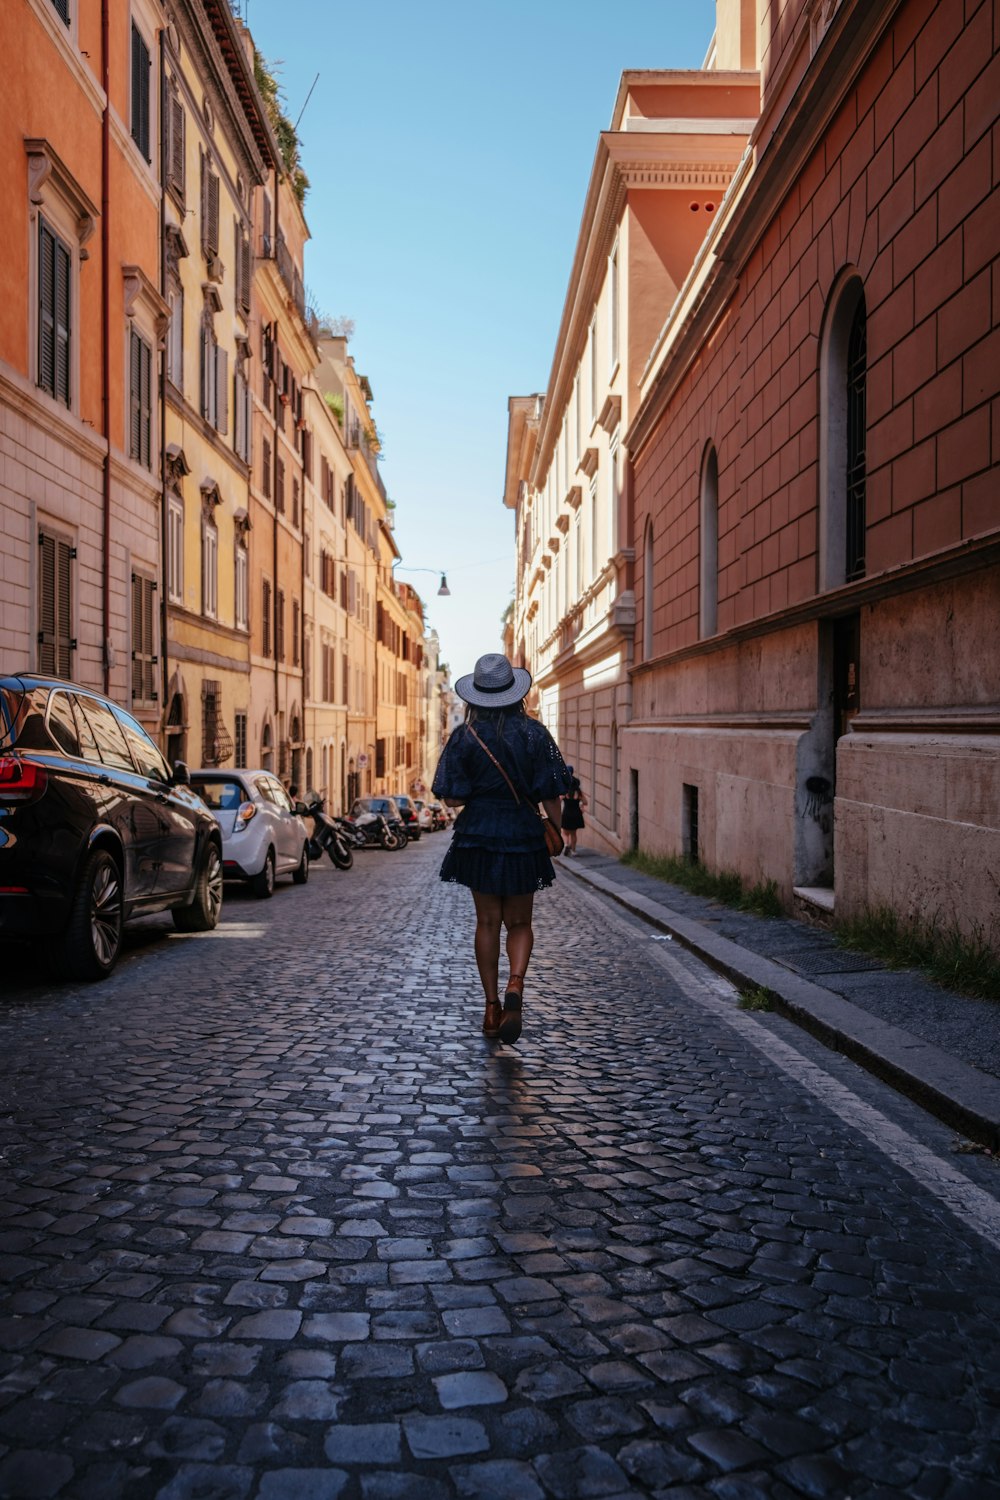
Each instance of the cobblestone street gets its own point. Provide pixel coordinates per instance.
(278, 1223)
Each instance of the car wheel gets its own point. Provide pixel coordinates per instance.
(203, 913)
(93, 938)
(263, 884)
(301, 875)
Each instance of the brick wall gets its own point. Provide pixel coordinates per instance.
(904, 187)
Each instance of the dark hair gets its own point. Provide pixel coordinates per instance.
(474, 711)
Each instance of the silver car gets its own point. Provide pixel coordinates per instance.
(262, 835)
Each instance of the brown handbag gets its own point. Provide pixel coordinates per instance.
(553, 838)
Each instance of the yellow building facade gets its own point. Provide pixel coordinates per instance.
(218, 150)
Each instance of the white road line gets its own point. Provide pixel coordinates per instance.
(963, 1198)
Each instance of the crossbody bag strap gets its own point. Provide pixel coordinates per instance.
(516, 794)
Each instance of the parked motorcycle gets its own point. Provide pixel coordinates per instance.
(375, 831)
(327, 837)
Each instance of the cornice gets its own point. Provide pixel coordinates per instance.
(44, 165)
(624, 160)
(49, 416)
(198, 37)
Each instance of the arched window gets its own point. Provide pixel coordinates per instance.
(709, 604)
(843, 434)
(647, 592)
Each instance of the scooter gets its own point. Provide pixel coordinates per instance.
(326, 835)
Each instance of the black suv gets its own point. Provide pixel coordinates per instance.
(94, 827)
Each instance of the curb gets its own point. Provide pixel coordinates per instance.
(955, 1092)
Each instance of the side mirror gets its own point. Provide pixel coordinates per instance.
(180, 775)
(301, 810)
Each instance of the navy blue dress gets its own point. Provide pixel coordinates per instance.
(498, 846)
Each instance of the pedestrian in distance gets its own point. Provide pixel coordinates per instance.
(574, 801)
(498, 766)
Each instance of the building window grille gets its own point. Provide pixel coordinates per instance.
(689, 823)
(240, 741)
(857, 345)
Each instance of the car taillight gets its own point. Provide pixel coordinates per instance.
(247, 811)
(21, 780)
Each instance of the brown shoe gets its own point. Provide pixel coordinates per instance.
(491, 1019)
(510, 1025)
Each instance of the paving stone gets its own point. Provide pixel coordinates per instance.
(366, 1443)
(499, 1479)
(31, 1474)
(622, 1260)
(444, 1437)
(578, 1473)
(469, 1388)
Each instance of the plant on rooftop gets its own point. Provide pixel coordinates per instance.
(336, 404)
(285, 134)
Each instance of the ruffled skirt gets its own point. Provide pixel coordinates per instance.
(495, 873)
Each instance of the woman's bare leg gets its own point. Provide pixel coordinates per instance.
(489, 916)
(520, 937)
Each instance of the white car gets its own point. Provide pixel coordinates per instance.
(262, 834)
(424, 815)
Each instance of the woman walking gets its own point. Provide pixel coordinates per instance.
(498, 766)
(574, 801)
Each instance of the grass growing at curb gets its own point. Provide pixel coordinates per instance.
(720, 885)
(955, 960)
(755, 998)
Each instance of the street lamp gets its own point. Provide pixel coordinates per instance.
(443, 590)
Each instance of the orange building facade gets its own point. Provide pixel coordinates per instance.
(81, 327)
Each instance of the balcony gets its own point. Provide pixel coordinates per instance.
(289, 274)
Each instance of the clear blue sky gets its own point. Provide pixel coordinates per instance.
(449, 146)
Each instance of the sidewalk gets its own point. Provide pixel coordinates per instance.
(940, 1048)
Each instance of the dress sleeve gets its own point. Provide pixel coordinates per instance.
(550, 776)
(451, 778)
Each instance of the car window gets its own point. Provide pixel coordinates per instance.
(220, 794)
(111, 747)
(262, 786)
(62, 724)
(280, 796)
(144, 752)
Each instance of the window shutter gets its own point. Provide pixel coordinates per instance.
(175, 155)
(55, 644)
(62, 9)
(246, 272)
(212, 233)
(62, 321)
(134, 384)
(46, 308)
(221, 389)
(145, 404)
(46, 603)
(140, 91)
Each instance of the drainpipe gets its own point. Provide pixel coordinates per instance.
(106, 341)
(276, 403)
(164, 539)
